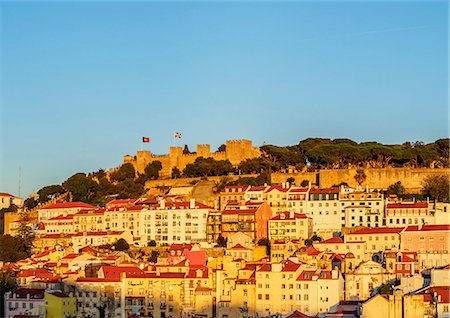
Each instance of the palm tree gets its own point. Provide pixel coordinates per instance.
(360, 176)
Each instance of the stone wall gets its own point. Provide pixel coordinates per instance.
(236, 151)
(378, 178)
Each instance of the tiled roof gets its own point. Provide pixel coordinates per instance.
(308, 275)
(428, 227)
(242, 211)
(416, 205)
(62, 217)
(298, 314)
(333, 240)
(69, 205)
(324, 190)
(378, 230)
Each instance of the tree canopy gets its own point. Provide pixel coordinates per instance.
(203, 167)
(436, 188)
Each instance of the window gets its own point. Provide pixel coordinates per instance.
(267, 297)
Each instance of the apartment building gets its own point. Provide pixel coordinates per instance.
(290, 226)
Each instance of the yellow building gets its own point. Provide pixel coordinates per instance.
(60, 305)
(377, 239)
(277, 197)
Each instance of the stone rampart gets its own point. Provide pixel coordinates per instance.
(236, 151)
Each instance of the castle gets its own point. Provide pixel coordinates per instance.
(236, 151)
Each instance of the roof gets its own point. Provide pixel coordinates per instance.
(308, 275)
(4, 194)
(298, 190)
(69, 205)
(442, 291)
(257, 188)
(240, 211)
(298, 314)
(238, 247)
(324, 190)
(287, 216)
(62, 217)
(333, 240)
(428, 227)
(378, 230)
(277, 187)
(415, 205)
(290, 266)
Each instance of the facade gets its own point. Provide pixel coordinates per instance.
(63, 209)
(290, 226)
(232, 194)
(404, 214)
(60, 305)
(377, 239)
(249, 219)
(324, 209)
(7, 199)
(24, 301)
(362, 208)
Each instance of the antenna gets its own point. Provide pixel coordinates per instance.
(20, 175)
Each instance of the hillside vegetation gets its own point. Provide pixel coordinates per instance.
(308, 155)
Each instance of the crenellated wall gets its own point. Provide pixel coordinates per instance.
(236, 151)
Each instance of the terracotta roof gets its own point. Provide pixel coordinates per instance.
(378, 230)
(290, 266)
(428, 227)
(4, 194)
(277, 187)
(91, 211)
(62, 217)
(415, 205)
(442, 291)
(257, 188)
(287, 216)
(238, 247)
(298, 190)
(324, 190)
(68, 205)
(298, 314)
(241, 211)
(334, 240)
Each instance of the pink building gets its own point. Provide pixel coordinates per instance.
(426, 238)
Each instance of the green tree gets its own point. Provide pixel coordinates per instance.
(50, 192)
(152, 170)
(126, 171)
(221, 241)
(82, 187)
(436, 188)
(291, 180)
(13, 248)
(30, 203)
(7, 283)
(397, 189)
(121, 245)
(360, 176)
(203, 167)
(186, 150)
(154, 257)
(222, 147)
(308, 242)
(316, 238)
(176, 173)
(24, 231)
(304, 183)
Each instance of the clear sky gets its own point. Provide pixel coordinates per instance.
(82, 82)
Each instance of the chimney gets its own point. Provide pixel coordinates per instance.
(162, 204)
(334, 274)
(192, 204)
(291, 214)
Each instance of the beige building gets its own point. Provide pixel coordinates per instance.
(290, 226)
(7, 199)
(57, 209)
(362, 282)
(377, 239)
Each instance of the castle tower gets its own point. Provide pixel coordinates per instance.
(143, 158)
(204, 151)
(175, 154)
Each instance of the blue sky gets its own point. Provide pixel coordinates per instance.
(82, 82)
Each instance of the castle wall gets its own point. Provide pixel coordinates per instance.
(236, 151)
(379, 178)
(411, 178)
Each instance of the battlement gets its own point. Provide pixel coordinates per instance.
(236, 151)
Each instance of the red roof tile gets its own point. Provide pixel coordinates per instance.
(334, 240)
(378, 230)
(69, 205)
(416, 205)
(428, 227)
